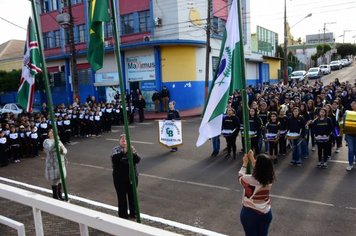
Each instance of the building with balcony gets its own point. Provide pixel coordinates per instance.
(163, 43)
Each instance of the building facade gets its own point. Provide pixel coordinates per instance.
(163, 43)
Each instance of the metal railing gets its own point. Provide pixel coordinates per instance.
(83, 216)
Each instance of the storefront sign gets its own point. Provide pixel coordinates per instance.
(170, 133)
(106, 79)
(140, 68)
(148, 85)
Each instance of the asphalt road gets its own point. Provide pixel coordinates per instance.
(192, 188)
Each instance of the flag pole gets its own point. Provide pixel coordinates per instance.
(114, 10)
(245, 111)
(49, 97)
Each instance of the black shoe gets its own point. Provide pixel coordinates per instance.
(227, 155)
(214, 154)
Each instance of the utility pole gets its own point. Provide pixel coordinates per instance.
(324, 29)
(73, 58)
(207, 55)
(285, 58)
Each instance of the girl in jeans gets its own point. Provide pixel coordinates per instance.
(256, 214)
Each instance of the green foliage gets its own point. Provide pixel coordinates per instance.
(346, 49)
(9, 81)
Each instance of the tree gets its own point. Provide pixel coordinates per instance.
(9, 81)
(346, 49)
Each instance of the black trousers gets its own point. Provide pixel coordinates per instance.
(141, 115)
(273, 148)
(323, 151)
(231, 143)
(254, 144)
(124, 196)
(282, 145)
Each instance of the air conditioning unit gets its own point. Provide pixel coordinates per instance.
(146, 38)
(158, 21)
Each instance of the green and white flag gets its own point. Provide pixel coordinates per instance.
(30, 68)
(226, 80)
(98, 14)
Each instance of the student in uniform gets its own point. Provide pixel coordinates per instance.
(97, 123)
(14, 142)
(282, 118)
(4, 148)
(273, 127)
(67, 127)
(263, 114)
(173, 114)
(338, 113)
(23, 141)
(322, 127)
(256, 128)
(35, 142)
(312, 116)
(141, 105)
(43, 131)
(75, 122)
(296, 124)
(230, 130)
(304, 144)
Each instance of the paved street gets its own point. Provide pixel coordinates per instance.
(192, 188)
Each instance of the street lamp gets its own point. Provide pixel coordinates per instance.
(66, 21)
(285, 59)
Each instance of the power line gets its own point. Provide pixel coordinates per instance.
(12, 23)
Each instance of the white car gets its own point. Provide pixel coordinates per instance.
(314, 73)
(11, 108)
(298, 75)
(335, 65)
(325, 69)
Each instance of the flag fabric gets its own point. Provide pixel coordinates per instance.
(30, 68)
(98, 13)
(226, 79)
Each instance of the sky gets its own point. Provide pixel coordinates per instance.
(266, 13)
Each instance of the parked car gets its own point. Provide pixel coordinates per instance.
(11, 108)
(298, 75)
(345, 62)
(314, 73)
(335, 65)
(325, 69)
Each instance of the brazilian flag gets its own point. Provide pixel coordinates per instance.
(98, 13)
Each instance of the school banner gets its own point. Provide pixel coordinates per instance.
(170, 133)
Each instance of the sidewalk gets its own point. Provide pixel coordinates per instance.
(196, 112)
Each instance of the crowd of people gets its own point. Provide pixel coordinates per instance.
(282, 117)
(23, 136)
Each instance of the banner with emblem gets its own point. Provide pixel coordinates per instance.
(170, 133)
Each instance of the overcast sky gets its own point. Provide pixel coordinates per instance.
(266, 13)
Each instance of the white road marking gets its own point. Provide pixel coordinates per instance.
(73, 143)
(146, 123)
(132, 141)
(226, 189)
(114, 208)
(337, 161)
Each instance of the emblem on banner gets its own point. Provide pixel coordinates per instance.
(170, 133)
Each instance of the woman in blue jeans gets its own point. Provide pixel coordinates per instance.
(256, 213)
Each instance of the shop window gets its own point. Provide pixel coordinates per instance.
(215, 63)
